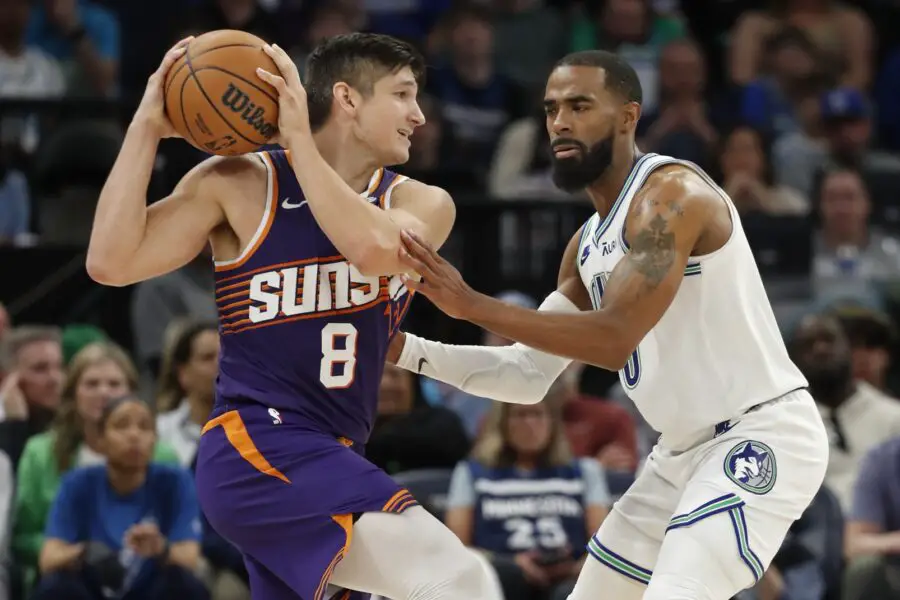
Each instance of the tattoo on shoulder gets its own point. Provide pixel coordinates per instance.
(653, 248)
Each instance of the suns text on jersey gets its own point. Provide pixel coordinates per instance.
(318, 288)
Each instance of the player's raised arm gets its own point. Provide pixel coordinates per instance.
(516, 374)
(666, 221)
(130, 242)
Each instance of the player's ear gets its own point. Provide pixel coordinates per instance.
(631, 113)
(346, 97)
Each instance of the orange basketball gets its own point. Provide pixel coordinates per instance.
(214, 98)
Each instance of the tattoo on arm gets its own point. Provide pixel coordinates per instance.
(653, 248)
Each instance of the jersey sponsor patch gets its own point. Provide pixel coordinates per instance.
(751, 465)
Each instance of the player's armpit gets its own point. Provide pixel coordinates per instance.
(664, 224)
(176, 228)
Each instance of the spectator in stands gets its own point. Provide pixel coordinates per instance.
(842, 34)
(187, 388)
(530, 37)
(245, 15)
(7, 488)
(186, 394)
(526, 502)
(872, 336)
(31, 358)
(857, 416)
(477, 100)
(595, 428)
(410, 20)
(682, 124)
(325, 22)
(413, 435)
(15, 199)
(25, 70)
(636, 31)
(851, 258)
(97, 374)
(76, 336)
(425, 154)
(5, 324)
(128, 529)
(846, 121)
(873, 528)
(84, 36)
(521, 167)
(778, 98)
(746, 175)
(157, 303)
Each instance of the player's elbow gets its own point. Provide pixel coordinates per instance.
(374, 257)
(104, 271)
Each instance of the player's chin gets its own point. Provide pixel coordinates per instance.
(397, 155)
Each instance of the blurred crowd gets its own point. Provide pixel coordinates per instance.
(791, 105)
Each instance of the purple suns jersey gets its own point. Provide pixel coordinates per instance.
(303, 332)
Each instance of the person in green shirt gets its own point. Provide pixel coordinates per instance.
(96, 374)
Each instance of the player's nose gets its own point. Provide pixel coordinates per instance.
(417, 118)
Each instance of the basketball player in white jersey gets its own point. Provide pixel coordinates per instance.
(661, 286)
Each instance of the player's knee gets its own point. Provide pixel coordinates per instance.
(666, 586)
(454, 575)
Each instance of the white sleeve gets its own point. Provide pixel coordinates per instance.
(516, 374)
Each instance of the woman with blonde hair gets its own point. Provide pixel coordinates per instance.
(98, 373)
(524, 501)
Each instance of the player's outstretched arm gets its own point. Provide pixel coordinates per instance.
(130, 242)
(366, 235)
(516, 374)
(667, 219)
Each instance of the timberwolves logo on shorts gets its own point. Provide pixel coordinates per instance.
(751, 465)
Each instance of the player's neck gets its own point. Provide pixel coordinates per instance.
(604, 191)
(125, 481)
(353, 163)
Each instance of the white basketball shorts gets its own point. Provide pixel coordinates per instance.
(733, 494)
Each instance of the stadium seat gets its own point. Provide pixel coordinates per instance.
(429, 487)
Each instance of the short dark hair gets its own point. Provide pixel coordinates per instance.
(621, 78)
(359, 59)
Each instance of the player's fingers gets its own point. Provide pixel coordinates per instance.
(411, 283)
(420, 249)
(274, 80)
(413, 262)
(283, 62)
(174, 53)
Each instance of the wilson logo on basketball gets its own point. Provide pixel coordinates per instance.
(239, 102)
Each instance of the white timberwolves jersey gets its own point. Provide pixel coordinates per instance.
(717, 350)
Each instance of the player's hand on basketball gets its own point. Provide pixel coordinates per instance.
(441, 282)
(293, 113)
(152, 109)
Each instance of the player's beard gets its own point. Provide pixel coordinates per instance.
(574, 173)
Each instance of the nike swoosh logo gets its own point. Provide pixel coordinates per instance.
(288, 205)
(422, 362)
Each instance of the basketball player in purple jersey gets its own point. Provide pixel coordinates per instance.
(306, 245)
